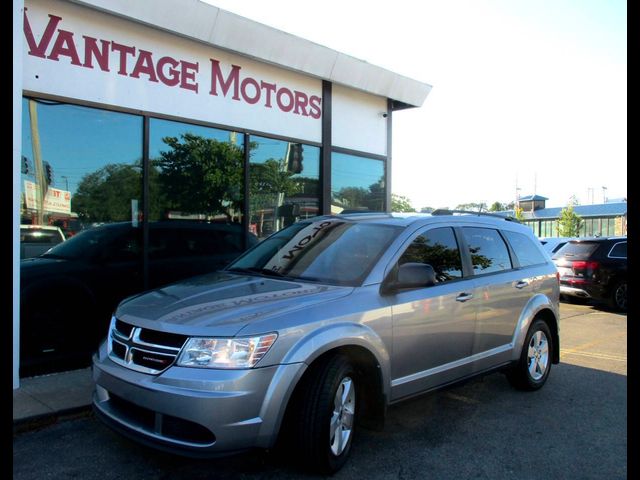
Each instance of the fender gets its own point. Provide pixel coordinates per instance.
(303, 354)
(535, 304)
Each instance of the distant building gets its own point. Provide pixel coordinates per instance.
(604, 219)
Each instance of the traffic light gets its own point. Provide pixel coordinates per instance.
(25, 165)
(295, 158)
(48, 173)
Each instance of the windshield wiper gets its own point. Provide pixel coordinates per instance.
(263, 271)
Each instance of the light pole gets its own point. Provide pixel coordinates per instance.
(66, 182)
(604, 194)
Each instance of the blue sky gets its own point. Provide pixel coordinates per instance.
(530, 94)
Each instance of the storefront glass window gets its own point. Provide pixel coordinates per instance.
(284, 184)
(82, 173)
(357, 183)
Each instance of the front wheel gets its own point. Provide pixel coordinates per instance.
(532, 370)
(327, 413)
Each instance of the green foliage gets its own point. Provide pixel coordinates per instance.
(518, 214)
(201, 175)
(105, 195)
(400, 203)
(569, 222)
(497, 207)
(474, 207)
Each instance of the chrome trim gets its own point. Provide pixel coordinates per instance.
(451, 365)
(575, 292)
(134, 344)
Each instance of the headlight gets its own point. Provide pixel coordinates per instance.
(225, 352)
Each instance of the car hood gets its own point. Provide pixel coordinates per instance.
(221, 304)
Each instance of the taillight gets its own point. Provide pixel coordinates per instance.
(584, 268)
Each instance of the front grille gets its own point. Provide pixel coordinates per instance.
(143, 349)
(165, 425)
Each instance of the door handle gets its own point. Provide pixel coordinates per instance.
(463, 297)
(521, 284)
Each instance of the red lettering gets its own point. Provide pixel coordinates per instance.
(314, 103)
(282, 92)
(174, 75)
(123, 50)
(270, 88)
(301, 103)
(232, 79)
(38, 49)
(144, 64)
(189, 71)
(91, 51)
(64, 45)
(256, 96)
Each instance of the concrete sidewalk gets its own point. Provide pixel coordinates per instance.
(45, 399)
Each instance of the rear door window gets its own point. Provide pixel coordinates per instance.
(527, 252)
(488, 251)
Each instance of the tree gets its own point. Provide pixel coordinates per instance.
(475, 207)
(569, 223)
(105, 195)
(201, 175)
(518, 214)
(497, 207)
(400, 203)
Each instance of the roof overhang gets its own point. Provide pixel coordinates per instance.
(219, 28)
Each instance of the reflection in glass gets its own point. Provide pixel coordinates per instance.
(488, 251)
(195, 172)
(328, 251)
(357, 183)
(284, 184)
(80, 166)
(438, 248)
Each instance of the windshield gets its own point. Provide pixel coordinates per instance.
(87, 244)
(576, 250)
(333, 251)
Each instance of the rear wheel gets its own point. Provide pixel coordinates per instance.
(532, 370)
(324, 426)
(618, 298)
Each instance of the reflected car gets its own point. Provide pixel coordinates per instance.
(317, 329)
(594, 268)
(68, 293)
(37, 239)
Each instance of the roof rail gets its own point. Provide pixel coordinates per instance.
(444, 211)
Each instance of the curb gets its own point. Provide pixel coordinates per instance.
(38, 422)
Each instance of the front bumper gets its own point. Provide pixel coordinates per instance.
(193, 411)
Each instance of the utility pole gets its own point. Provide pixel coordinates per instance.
(604, 194)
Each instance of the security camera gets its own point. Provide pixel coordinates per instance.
(384, 114)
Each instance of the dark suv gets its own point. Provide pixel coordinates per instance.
(67, 295)
(594, 268)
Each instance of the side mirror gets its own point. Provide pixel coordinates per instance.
(411, 275)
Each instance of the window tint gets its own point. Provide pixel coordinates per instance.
(619, 250)
(488, 251)
(438, 248)
(526, 251)
(577, 250)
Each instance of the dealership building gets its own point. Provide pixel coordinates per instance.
(154, 110)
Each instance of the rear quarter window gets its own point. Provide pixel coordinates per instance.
(619, 250)
(527, 252)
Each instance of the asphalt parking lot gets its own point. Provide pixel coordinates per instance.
(575, 427)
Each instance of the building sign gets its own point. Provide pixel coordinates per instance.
(55, 200)
(99, 58)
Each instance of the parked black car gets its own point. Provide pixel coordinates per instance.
(594, 268)
(68, 294)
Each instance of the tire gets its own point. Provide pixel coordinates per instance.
(533, 368)
(326, 414)
(618, 299)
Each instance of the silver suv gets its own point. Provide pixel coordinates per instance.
(317, 329)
